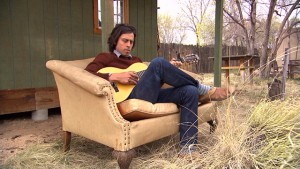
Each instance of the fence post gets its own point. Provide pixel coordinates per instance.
(284, 74)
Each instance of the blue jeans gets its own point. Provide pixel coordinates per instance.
(184, 93)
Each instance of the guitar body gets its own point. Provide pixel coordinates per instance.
(123, 90)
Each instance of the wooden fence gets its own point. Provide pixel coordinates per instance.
(205, 65)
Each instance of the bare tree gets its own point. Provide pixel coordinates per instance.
(244, 21)
(206, 31)
(237, 11)
(171, 30)
(166, 28)
(194, 12)
(180, 27)
(284, 31)
(275, 24)
(264, 56)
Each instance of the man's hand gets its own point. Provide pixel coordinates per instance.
(175, 62)
(124, 78)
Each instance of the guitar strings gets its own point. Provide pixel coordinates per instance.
(140, 74)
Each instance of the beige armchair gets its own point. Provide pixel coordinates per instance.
(89, 110)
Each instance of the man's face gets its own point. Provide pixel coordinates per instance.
(125, 43)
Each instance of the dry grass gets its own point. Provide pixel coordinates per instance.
(253, 133)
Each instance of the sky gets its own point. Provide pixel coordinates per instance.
(172, 7)
(168, 6)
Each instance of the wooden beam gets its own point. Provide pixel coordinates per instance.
(46, 98)
(22, 100)
(12, 101)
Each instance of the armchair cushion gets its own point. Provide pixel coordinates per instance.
(136, 109)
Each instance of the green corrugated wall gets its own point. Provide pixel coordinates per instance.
(34, 31)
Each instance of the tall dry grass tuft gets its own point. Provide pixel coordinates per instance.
(253, 133)
(268, 138)
(275, 134)
(83, 154)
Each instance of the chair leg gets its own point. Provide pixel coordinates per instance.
(67, 140)
(124, 158)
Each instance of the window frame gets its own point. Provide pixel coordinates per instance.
(97, 29)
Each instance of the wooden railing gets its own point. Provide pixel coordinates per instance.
(293, 68)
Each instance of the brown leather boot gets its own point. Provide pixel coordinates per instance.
(216, 94)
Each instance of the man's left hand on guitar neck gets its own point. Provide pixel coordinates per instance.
(175, 62)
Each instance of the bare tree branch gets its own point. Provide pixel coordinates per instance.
(287, 17)
(234, 19)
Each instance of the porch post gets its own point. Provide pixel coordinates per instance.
(107, 18)
(218, 43)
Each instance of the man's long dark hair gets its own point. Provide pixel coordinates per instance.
(117, 32)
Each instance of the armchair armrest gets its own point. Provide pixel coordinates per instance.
(94, 84)
(87, 105)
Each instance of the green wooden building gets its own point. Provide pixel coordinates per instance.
(35, 31)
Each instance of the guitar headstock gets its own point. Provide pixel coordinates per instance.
(191, 58)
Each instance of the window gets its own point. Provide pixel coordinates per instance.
(120, 13)
(97, 16)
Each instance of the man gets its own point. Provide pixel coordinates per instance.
(186, 91)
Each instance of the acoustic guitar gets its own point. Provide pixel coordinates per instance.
(122, 91)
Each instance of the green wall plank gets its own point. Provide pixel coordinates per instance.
(148, 30)
(98, 38)
(142, 15)
(64, 29)
(37, 43)
(6, 49)
(51, 29)
(77, 29)
(88, 29)
(21, 52)
(98, 44)
(154, 29)
(51, 35)
(133, 12)
(107, 21)
(141, 29)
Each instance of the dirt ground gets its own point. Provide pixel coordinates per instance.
(18, 131)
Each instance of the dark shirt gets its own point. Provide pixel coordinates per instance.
(103, 60)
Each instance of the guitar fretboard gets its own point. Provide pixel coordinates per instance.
(140, 73)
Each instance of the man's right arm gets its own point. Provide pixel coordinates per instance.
(124, 78)
(100, 61)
